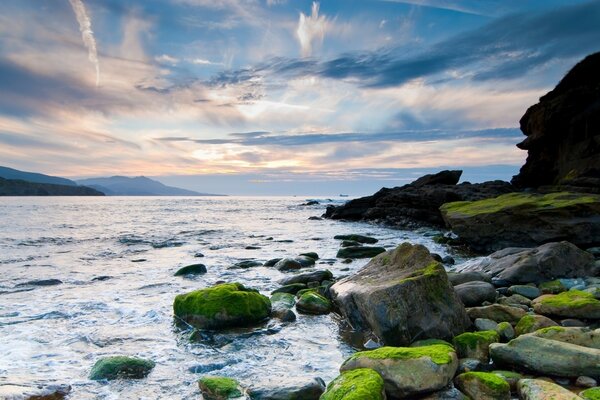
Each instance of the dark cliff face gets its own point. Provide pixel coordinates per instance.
(563, 133)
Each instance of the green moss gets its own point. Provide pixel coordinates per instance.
(434, 268)
(503, 326)
(494, 382)
(520, 200)
(228, 301)
(571, 299)
(471, 340)
(121, 367)
(525, 325)
(591, 394)
(286, 300)
(357, 384)
(313, 303)
(552, 287)
(219, 387)
(429, 342)
(439, 353)
(551, 329)
(507, 374)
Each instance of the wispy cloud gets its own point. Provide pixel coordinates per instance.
(311, 29)
(87, 35)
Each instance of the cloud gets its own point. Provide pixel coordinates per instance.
(311, 30)
(167, 59)
(87, 35)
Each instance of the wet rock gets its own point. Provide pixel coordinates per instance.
(198, 255)
(436, 257)
(357, 238)
(458, 278)
(408, 371)
(252, 248)
(246, 264)
(288, 264)
(272, 262)
(314, 218)
(531, 292)
(41, 282)
(483, 324)
(314, 276)
(281, 305)
(290, 390)
(220, 388)
(475, 293)
(470, 364)
(121, 367)
(552, 287)
(305, 261)
(448, 394)
(194, 269)
(448, 260)
(571, 304)
(537, 389)
(402, 296)
(506, 331)
(292, 288)
(586, 382)
(497, 312)
(310, 203)
(525, 219)
(310, 254)
(41, 391)
(531, 323)
(536, 265)
(349, 243)
(585, 337)
(101, 278)
(360, 383)
(313, 303)
(359, 252)
(222, 306)
(516, 300)
(483, 386)
(511, 377)
(475, 344)
(571, 322)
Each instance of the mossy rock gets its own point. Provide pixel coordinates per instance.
(483, 386)
(571, 304)
(121, 367)
(194, 269)
(291, 288)
(591, 394)
(512, 378)
(313, 303)
(359, 252)
(357, 384)
(475, 344)
(531, 323)
(506, 331)
(538, 389)
(222, 306)
(552, 287)
(429, 342)
(357, 238)
(286, 300)
(219, 388)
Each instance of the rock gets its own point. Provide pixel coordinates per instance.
(595, 251)
(311, 254)
(414, 205)
(314, 276)
(571, 304)
(449, 394)
(408, 371)
(536, 265)
(246, 264)
(512, 378)
(315, 218)
(252, 248)
(458, 278)
(552, 287)
(475, 293)
(357, 384)
(290, 390)
(401, 296)
(531, 292)
(272, 262)
(305, 261)
(34, 391)
(357, 238)
(219, 388)
(313, 303)
(562, 132)
(590, 394)
(282, 300)
(288, 264)
(441, 178)
(448, 260)
(198, 255)
(436, 257)
(497, 312)
(483, 324)
(41, 282)
(506, 331)
(359, 252)
(586, 382)
(222, 306)
(292, 288)
(585, 337)
(349, 243)
(547, 357)
(483, 386)
(194, 269)
(371, 345)
(310, 203)
(525, 219)
(531, 323)
(470, 364)
(475, 344)
(537, 389)
(121, 367)
(571, 322)
(516, 300)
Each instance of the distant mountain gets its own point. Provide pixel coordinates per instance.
(10, 173)
(17, 187)
(137, 186)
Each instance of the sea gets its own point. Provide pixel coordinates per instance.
(86, 277)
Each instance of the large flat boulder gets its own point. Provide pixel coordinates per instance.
(536, 265)
(525, 219)
(402, 296)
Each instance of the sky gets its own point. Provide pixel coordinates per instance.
(280, 96)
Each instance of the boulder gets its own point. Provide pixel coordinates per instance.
(291, 288)
(194, 269)
(591, 394)
(357, 384)
(511, 377)
(121, 367)
(288, 264)
(580, 336)
(246, 264)
(313, 303)
(310, 254)
(475, 344)
(537, 265)
(359, 252)
(531, 323)
(571, 304)
(408, 371)
(525, 219)
(458, 278)
(314, 276)
(552, 287)
(563, 133)
(290, 390)
(441, 178)
(402, 296)
(475, 293)
(497, 312)
(483, 324)
(505, 331)
(281, 306)
(544, 356)
(483, 386)
(220, 388)
(357, 238)
(531, 292)
(537, 389)
(34, 391)
(222, 306)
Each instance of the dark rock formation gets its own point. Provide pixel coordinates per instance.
(417, 203)
(14, 187)
(563, 133)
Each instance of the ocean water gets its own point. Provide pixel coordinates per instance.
(54, 334)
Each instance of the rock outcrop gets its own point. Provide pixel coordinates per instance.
(417, 203)
(402, 296)
(563, 133)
